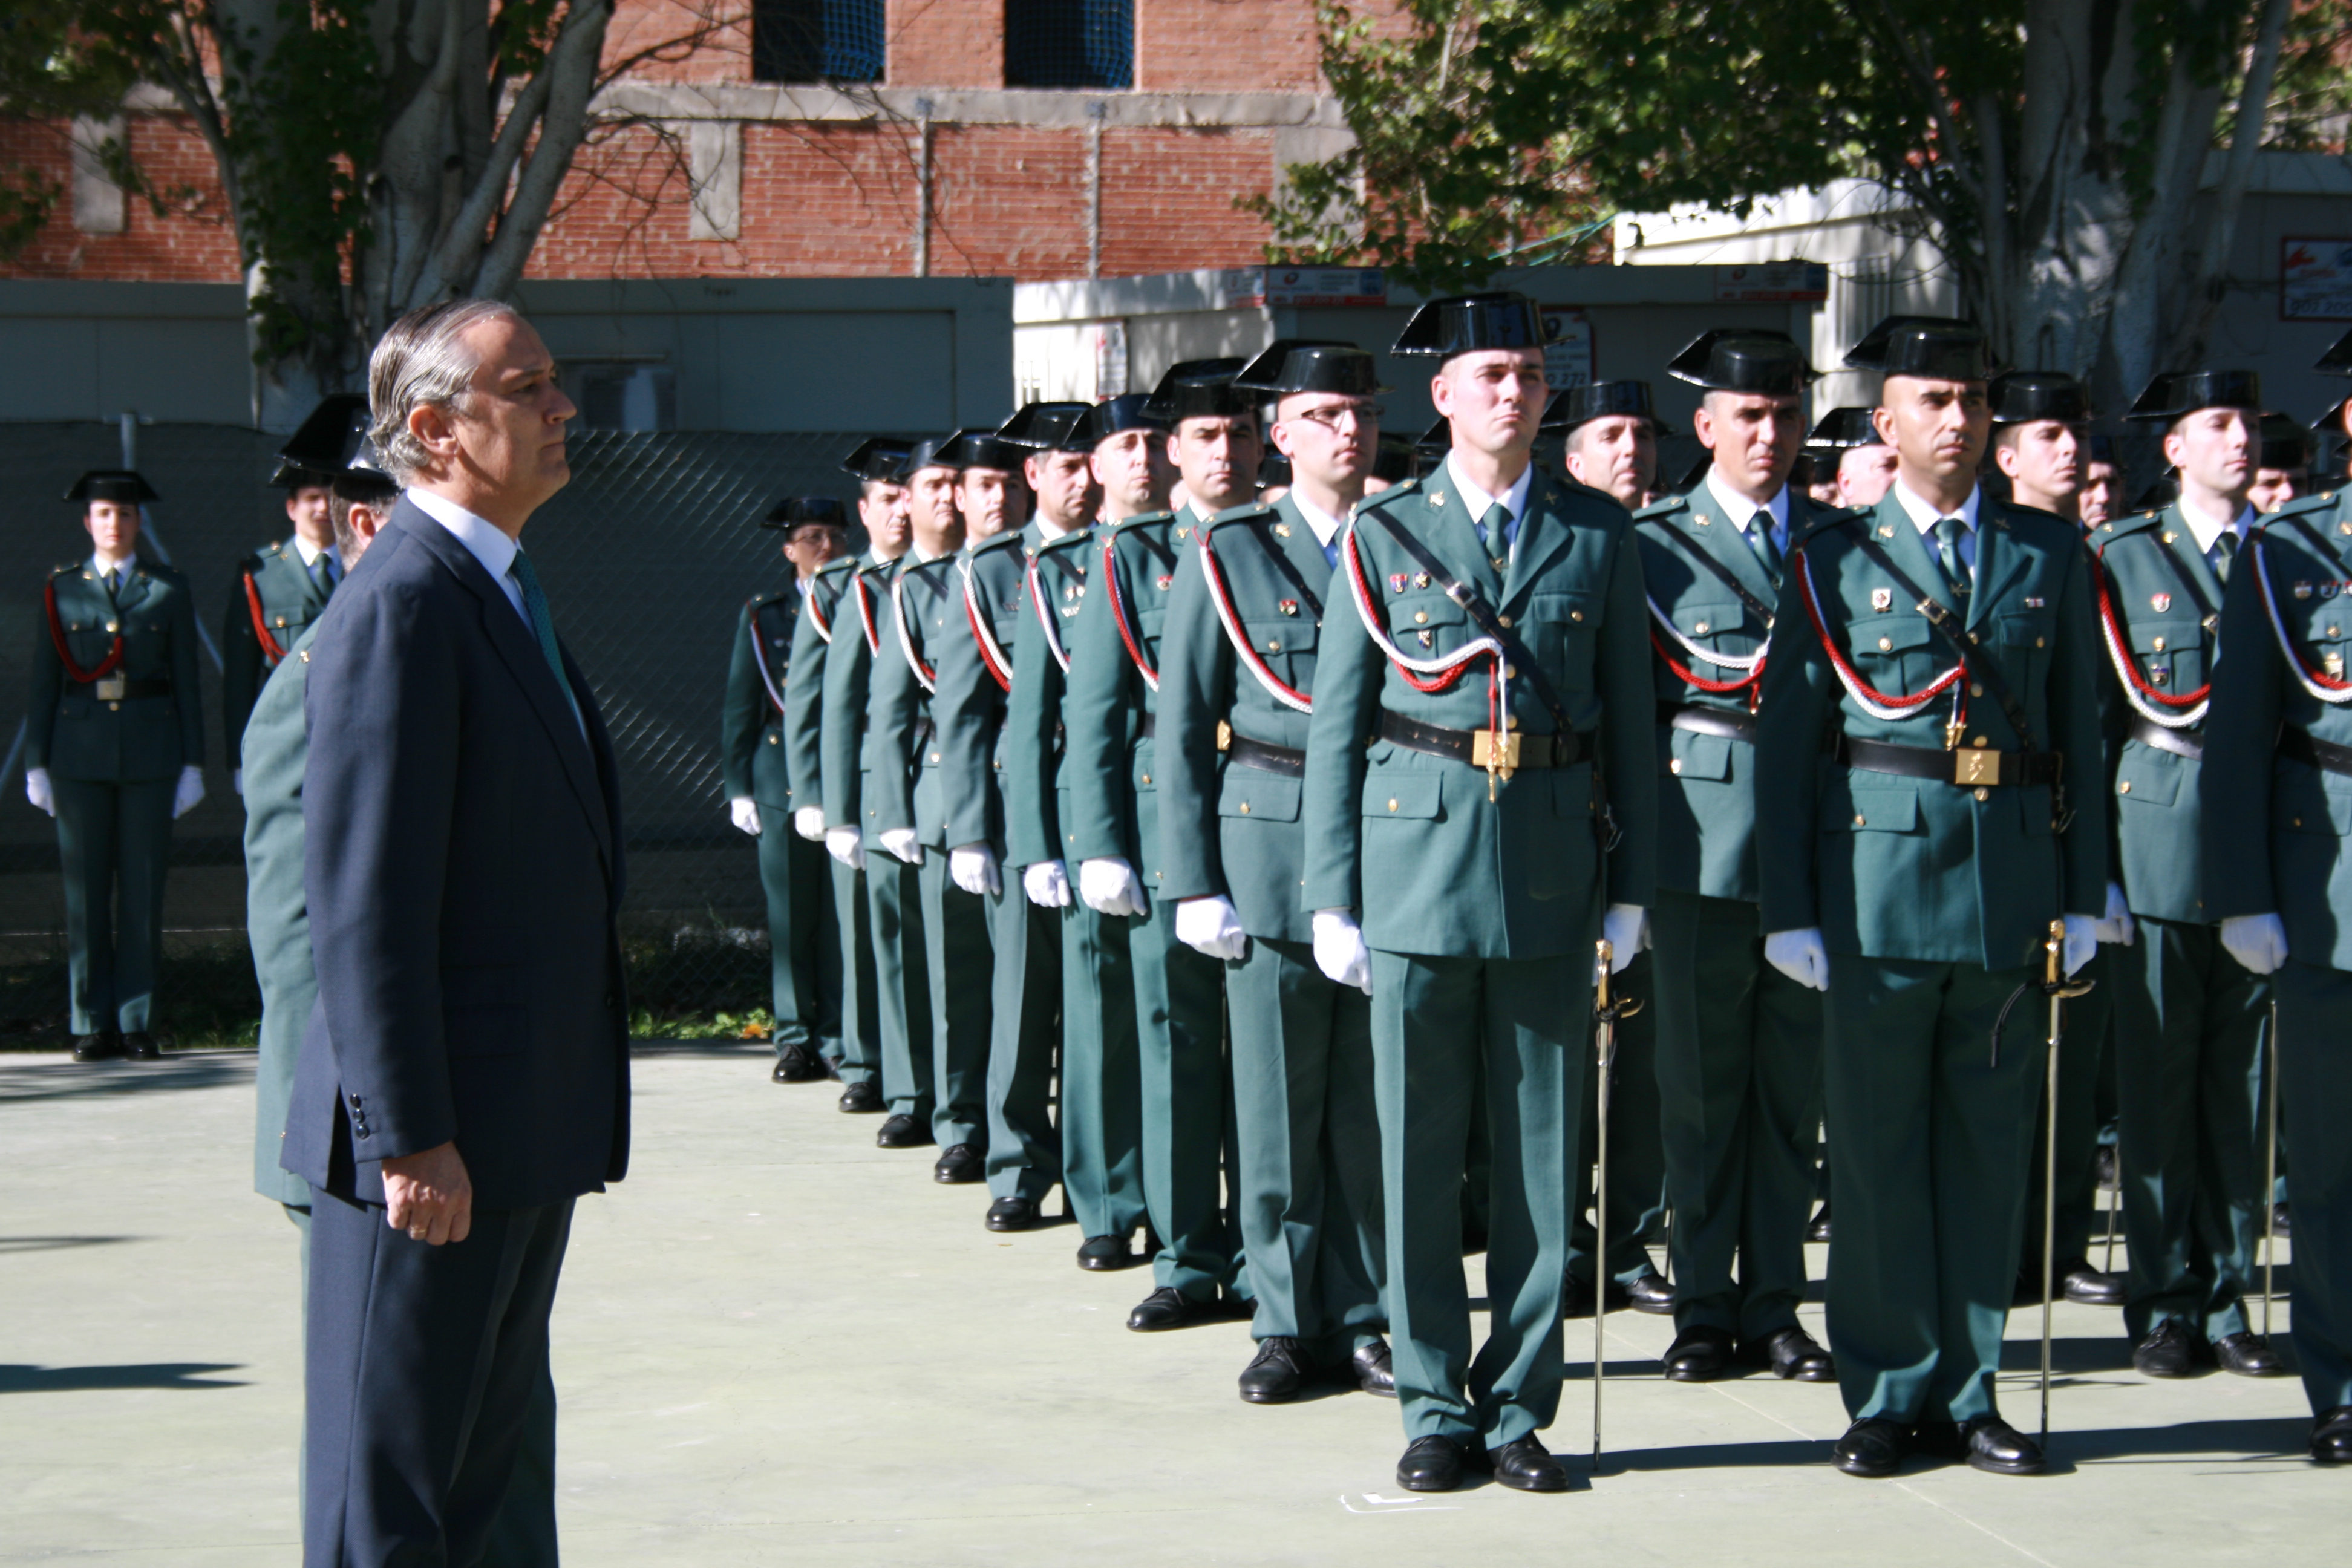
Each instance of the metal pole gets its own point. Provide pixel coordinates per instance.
(1095, 113)
(923, 188)
(2270, 1177)
(1606, 1011)
(2115, 1207)
(2054, 981)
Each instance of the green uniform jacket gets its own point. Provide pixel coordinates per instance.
(864, 619)
(1707, 784)
(2275, 826)
(291, 603)
(1108, 702)
(1224, 827)
(73, 733)
(804, 685)
(751, 755)
(922, 613)
(1037, 765)
(973, 697)
(1890, 866)
(2167, 605)
(277, 911)
(1411, 841)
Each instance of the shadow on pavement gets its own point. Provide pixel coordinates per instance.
(19, 1379)
(57, 1078)
(57, 1243)
(2249, 1437)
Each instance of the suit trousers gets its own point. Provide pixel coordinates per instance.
(1637, 1156)
(1739, 1073)
(960, 970)
(861, 1002)
(2190, 1022)
(1309, 1139)
(893, 899)
(115, 841)
(1102, 1133)
(2315, 1078)
(1932, 1140)
(426, 1374)
(1445, 1031)
(1182, 1085)
(804, 940)
(1024, 1150)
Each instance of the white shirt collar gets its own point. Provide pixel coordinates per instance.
(1514, 500)
(124, 565)
(1924, 517)
(876, 558)
(2208, 529)
(1740, 510)
(310, 553)
(1326, 526)
(486, 541)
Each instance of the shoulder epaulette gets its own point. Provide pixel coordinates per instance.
(1402, 488)
(840, 563)
(168, 573)
(1142, 520)
(68, 567)
(2108, 532)
(1076, 537)
(878, 568)
(1010, 536)
(1664, 506)
(1253, 511)
(2318, 500)
(1823, 520)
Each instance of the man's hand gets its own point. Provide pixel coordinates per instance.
(429, 1195)
(2116, 925)
(808, 821)
(2082, 942)
(1627, 927)
(973, 869)
(1108, 885)
(190, 789)
(1339, 950)
(904, 843)
(1213, 928)
(237, 780)
(744, 812)
(38, 790)
(1046, 884)
(844, 846)
(1800, 955)
(2258, 942)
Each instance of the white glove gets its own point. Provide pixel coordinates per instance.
(2258, 942)
(1799, 955)
(2116, 925)
(745, 812)
(237, 780)
(1211, 928)
(973, 869)
(1107, 884)
(841, 844)
(809, 823)
(38, 790)
(190, 789)
(1046, 884)
(903, 843)
(1627, 927)
(2082, 942)
(1339, 950)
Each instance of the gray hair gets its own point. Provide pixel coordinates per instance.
(423, 361)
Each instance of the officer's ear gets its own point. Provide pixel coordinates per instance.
(434, 426)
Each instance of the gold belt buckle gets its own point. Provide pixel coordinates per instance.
(1975, 766)
(1224, 735)
(1495, 754)
(110, 688)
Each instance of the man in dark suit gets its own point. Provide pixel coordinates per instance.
(464, 1074)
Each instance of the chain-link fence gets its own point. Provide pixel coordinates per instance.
(647, 557)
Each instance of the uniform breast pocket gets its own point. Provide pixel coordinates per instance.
(1404, 797)
(1695, 756)
(1865, 808)
(2148, 777)
(1565, 626)
(1896, 653)
(1717, 625)
(2025, 646)
(1260, 797)
(1425, 623)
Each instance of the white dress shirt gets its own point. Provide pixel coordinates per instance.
(1326, 526)
(2208, 529)
(1742, 512)
(1927, 517)
(483, 539)
(1514, 500)
(310, 553)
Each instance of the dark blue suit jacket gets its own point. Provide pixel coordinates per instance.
(464, 871)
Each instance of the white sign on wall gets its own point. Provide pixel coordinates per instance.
(1567, 347)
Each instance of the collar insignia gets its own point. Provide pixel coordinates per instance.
(1436, 499)
(1282, 531)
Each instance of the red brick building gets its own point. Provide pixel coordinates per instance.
(1032, 139)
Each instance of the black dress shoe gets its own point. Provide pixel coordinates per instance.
(1699, 1354)
(1375, 1372)
(862, 1099)
(797, 1064)
(1872, 1448)
(1169, 1308)
(1015, 1212)
(2172, 1349)
(2248, 1355)
(1575, 1298)
(1989, 1443)
(1523, 1465)
(1276, 1373)
(1432, 1465)
(1649, 1292)
(100, 1048)
(904, 1131)
(1819, 1230)
(140, 1046)
(1104, 1252)
(2331, 1436)
(2086, 1286)
(1792, 1353)
(960, 1164)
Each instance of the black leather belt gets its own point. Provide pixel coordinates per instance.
(1701, 720)
(120, 689)
(2189, 744)
(2325, 755)
(1520, 750)
(1971, 767)
(1262, 755)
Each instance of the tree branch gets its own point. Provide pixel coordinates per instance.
(570, 67)
(2237, 172)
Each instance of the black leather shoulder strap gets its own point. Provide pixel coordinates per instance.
(1474, 603)
(1987, 673)
(1705, 557)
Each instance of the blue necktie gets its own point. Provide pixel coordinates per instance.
(534, 604)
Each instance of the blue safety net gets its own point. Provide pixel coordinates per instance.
(1069, 43)
(816, 40)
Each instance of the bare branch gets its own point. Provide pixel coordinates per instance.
(570, 69)
(2237, 171)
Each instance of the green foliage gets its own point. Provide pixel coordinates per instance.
(48, 73)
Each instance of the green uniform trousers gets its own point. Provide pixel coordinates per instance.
(1308, 1137)
(804, 940)
(861, 1004)
(1932, 1141)
(1025, 1152)
(1740, 1076)
(1442, 1030)
(2315, 1078)
(2190, 1023)
(1181, 1092)
(2090, 1027)
(115, 840)
(961, 967)
(1637, 1156)
(894, 899)
(1102, 1134)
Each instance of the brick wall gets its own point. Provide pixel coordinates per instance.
(193, 243)
(944, 43)
(681, 40)
(1226, 45)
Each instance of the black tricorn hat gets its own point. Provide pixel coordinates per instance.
(2337, 360)
(1743, 359)
(2161, 494)
(2024, 396)
(1435, 442)
(981, 448)
(1936, 348)
(1200, 389)
(1463, 323)
(2186, 392)
(1845, 427)
(1696, 475)
(2285, 443)
(1312, 364)
(2099, 448)
(1273, 468)
(332, 447)
(1128, 411)
(112, 484)
(881, 460)
(793, 510)
(2331, 418)
(1573, 406)
(1047, 426)
(1395, 459)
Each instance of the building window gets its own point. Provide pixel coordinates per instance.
(623, 395)
(816, 40)
(1069, 43)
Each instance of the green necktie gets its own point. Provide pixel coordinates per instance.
(1948, 531)
(534, 603)
(1759, 537)
(1495, 530)
(2225, 550)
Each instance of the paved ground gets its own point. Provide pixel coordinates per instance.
(778, 1343)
